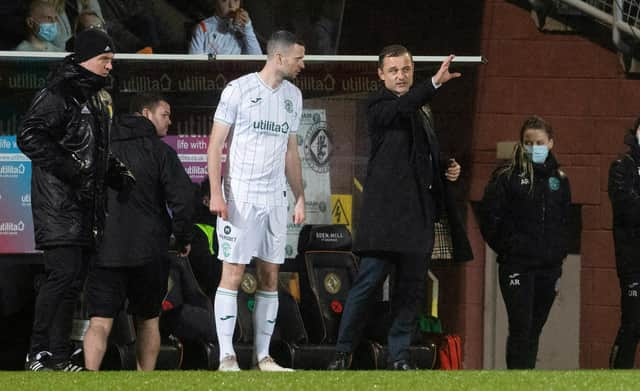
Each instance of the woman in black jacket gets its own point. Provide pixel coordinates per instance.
(524, 218)
(624, 193)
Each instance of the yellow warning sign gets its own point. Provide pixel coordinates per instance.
(341, 209)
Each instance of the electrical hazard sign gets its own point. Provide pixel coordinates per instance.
(341, 209)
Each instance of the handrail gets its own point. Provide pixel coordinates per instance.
(605, 17)
(204, 57)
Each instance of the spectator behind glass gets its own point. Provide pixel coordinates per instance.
(85, 21)
(41, 27)
(62, 22)
(131, 25)
(228, 31)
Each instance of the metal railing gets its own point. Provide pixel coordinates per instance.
(621, 15)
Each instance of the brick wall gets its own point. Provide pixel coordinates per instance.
(580, 88)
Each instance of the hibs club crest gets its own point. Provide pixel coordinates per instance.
(318, 147)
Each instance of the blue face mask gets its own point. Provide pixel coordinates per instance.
(538, 153)
(48, 31)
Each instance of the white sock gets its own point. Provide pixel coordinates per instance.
(265, 313)
(225, 309)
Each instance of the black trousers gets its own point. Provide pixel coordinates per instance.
(408, 291)
(528, 295)
(624, 349)
(65, 269)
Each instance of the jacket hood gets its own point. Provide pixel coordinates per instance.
(130, 126)
(83, 83)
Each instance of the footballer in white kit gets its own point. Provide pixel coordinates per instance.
(261, 121)
(258, 116)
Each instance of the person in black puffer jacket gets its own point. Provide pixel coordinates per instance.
(524, 219)
(65, 133)
(132, 262)
(624, 193)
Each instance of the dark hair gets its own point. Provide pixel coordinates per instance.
(392, 51)
(520, 161)
(145, 100)
(281, 39)
(536, 122)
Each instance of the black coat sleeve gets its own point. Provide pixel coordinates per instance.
(384, 107)
(625, 200)
(178, 191)
(492, 212)
(44, 124)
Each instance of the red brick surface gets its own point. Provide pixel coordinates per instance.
(580, 88)
(600, 323)
(585, 184)
(606, 290)
(597, 249)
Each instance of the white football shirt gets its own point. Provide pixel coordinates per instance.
(261, 120)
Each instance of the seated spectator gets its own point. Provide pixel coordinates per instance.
(63, 23)
(131, 25)
(228, 31)
(42, 28)
(73, 8)
(85, 21)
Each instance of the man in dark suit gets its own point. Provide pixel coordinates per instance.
(402, 198)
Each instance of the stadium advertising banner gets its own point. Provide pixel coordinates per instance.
(314, 147)
(16, 222)
(192, 152)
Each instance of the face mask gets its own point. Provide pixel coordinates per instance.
(538, 153)
(48, 31)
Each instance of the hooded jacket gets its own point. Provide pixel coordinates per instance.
(528, 225)
(139, 223)
(65, 133)
(624, 193)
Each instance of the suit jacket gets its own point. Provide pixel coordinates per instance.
(403, 189)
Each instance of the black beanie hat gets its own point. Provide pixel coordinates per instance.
(91, 43)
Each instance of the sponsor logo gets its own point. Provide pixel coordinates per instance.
(263, 126)
(227, 229)
(10, 171)
(25, 199)
(329, 236)
(318, 147)
(11, 228)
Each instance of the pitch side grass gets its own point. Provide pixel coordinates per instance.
(325, 381)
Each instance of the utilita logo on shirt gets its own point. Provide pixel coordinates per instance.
(263, 126)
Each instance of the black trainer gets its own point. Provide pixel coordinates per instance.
(341, 362)
(402, 365)
(67, 366)
(37, 362)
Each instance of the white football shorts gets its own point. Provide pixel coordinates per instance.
(252, 231)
